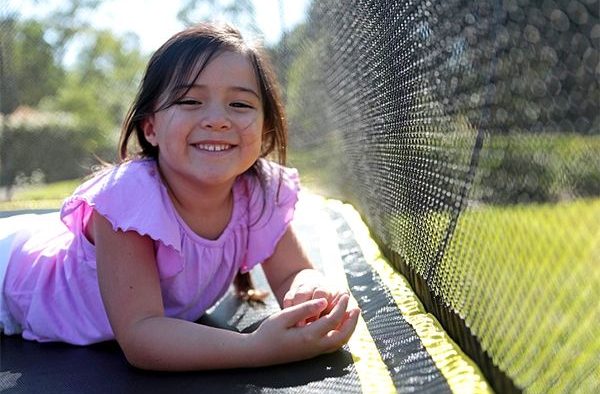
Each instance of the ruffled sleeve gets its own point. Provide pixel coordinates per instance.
(131, 197)
(271, 207)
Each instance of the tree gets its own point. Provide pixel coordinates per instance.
(65, 22)
(239, 12)
(91, 96)
(31, 52)
(29, 69)
(101, 86)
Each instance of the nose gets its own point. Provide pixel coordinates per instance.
(216, 118)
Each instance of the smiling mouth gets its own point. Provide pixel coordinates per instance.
(214, 147)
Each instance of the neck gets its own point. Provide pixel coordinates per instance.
(197, 199)
(205, 209)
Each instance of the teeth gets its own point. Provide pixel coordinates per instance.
(213, 148)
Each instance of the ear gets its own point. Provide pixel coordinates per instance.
(149, 131)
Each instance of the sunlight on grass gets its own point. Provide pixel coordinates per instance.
(43, 196)
(530, 273)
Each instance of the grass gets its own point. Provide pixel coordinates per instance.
(318, 169)
(314, 165)
(527, 280)
(42, 196)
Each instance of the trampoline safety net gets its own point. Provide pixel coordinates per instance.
(467, 134)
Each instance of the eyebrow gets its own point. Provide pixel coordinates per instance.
(235, 88)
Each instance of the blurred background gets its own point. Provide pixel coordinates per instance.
(70, 69)
(466, 133)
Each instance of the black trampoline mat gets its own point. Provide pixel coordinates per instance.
(31, 367)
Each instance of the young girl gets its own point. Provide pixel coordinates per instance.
(144, 248)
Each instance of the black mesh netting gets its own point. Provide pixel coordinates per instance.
(467, 134)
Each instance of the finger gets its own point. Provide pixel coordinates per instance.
(299, 299)
(334, 318)
(303, 295)
(311, 294)
(334, 300)
(298, 295)
(347, 328)
(337, 338)
(288, 299)
(316, 294)
(299, 313)
(322, 293)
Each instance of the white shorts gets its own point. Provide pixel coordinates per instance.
(9, 228)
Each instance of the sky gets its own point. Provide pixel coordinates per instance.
(157, 22)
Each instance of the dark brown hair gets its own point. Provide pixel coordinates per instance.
(176, 61)
(181, 59)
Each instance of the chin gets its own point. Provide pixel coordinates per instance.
(216, 179)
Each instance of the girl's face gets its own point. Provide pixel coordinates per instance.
(214, 132)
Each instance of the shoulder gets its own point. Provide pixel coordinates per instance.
(131, 196)
(118, 179)
(130, 173)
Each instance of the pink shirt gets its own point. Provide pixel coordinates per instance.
(51, 286)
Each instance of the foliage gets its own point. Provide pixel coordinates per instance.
(32, 52)
(238, 12)
(29, 69)
(81, 109)
(376, 115)
(42, 148)
(521, 168)
(88, 100)
(289, 50)
(66, 22)
(306, 112)
(100, 88)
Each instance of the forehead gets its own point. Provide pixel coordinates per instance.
(224, 68)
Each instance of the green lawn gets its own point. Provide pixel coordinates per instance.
(40, 196)
(526, 278)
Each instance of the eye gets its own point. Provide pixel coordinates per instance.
(188, 101)
(238, 104)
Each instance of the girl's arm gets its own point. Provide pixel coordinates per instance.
(130, 288)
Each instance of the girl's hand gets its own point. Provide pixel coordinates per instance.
(310, 284)
(306, 292)
(279, 339)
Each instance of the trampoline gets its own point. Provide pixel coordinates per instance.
(397, 347)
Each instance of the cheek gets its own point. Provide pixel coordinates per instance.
(251, 128)
(249, 120)
(167, 124)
